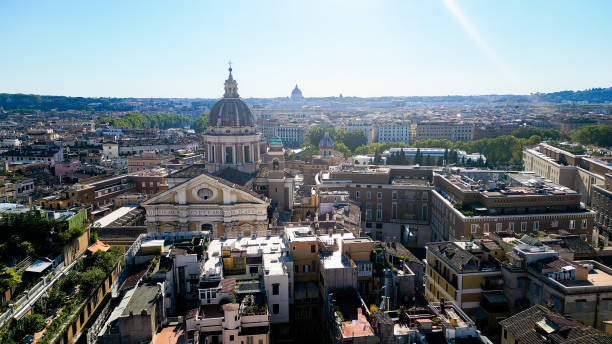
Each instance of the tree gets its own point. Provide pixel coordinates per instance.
(31, 324)
(418, 158)
(200, 124)
(599, 135)
(8, 279)
(104, 260)
(341, 147)
(92, 278)
(445, 156)
(354, 138)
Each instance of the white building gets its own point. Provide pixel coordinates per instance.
(110, 151)
(278, 288)
(394, 133)
(253, 258)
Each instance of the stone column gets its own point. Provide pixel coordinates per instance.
(223, 154)
(252, 153)
(234, 154)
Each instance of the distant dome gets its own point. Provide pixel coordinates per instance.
(231, 111)
(326, 141)
(296, 94)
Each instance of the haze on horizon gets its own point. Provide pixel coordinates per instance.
(357, 48)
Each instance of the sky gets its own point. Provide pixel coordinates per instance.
(357, 48)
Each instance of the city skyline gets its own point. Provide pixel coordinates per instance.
(364, 50)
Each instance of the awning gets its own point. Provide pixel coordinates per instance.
(39, 266)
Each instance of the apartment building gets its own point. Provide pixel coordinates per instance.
(460, 271)
(230, 323)
(146, 161)
(292, 136)
(601, 201)
(536, 274)
(470, 203)
(391, 199)
(579, 172)
(394, 133)
(587, 175)
(32, 154)
(254, 259)
(453, 131)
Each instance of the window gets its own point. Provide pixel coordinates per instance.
(368, 224)
(536, 225)
(505, 334)
(260, 341)
(296, 268)
(275, 288)
(424, 212)
(249, 340)
(306, 268)
(231, 337)
(486, 228)
(229, 155)
(378, 214)
(498, 227)
(511, 226)
(584, 224)
(580, 305)
(253, 269)
(368, 214)
(474, 228)
(247, 154)
(394, 210)
(379, 226)
(523, 226)
(394, 195)
(357, 194)
(313, 248)
(314, 266)
(379, 195)
(572, 224)
(368, 195)
(275, 308)
(606, 304)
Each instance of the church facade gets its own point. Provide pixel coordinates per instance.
(208, 203)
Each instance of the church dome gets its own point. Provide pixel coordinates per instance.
(326, 141)
(231, 111)
(296, 94)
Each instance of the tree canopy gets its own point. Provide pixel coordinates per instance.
(200, 123)
(137, 120)
(599, 135)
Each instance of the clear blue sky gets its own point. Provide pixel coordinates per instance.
(373, 48)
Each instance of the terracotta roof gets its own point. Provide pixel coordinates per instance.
(98, 246)
(539, 325)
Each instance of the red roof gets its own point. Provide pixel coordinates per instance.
(98, 246)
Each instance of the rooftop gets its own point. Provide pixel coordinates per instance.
(539, 325)
(143, 298)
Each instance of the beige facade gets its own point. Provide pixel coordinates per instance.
(208, 203)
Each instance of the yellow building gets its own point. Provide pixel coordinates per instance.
(460, 271)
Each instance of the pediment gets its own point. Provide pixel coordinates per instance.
(204, 189)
